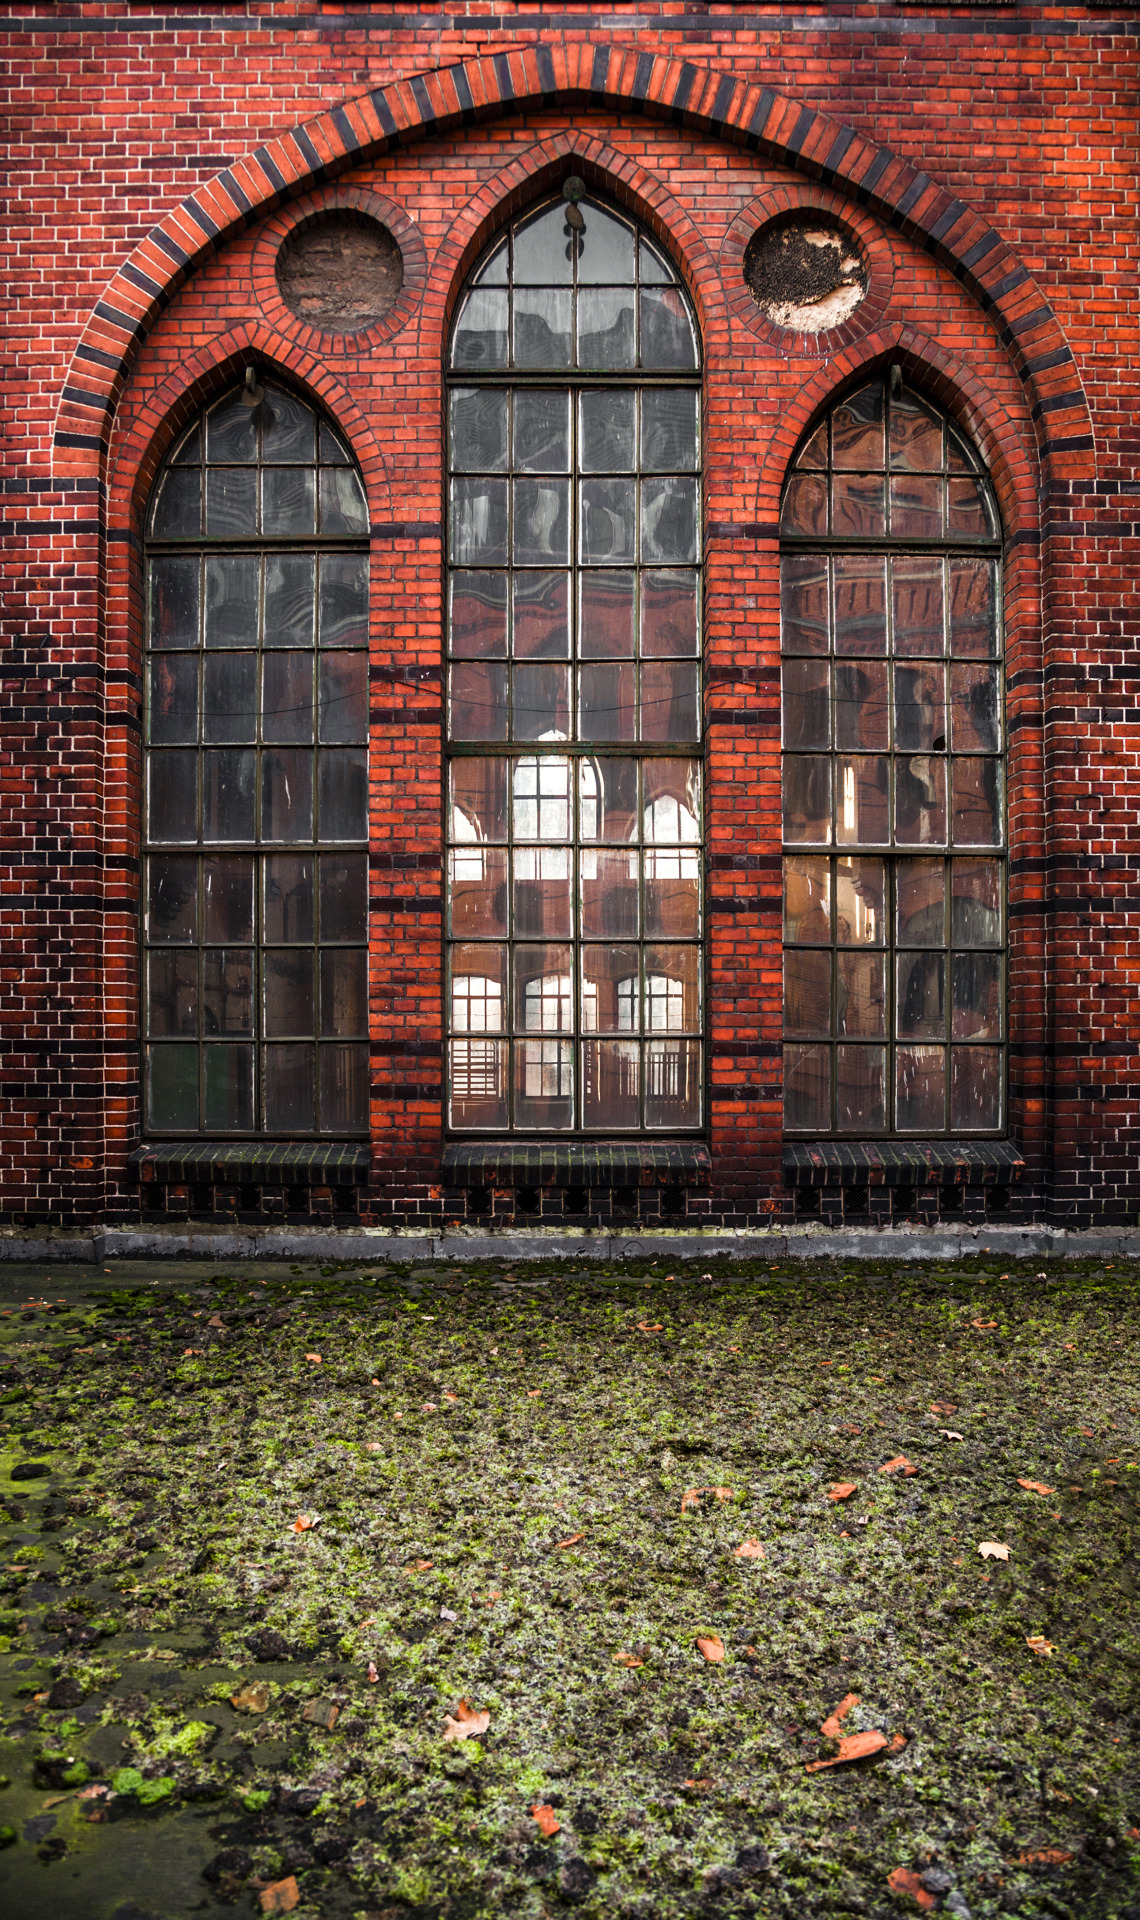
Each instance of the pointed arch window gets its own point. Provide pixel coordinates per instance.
(255, 811)
(893, 777)
(574, 714)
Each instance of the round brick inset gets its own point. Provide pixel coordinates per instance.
(341, 272)
(805, 272)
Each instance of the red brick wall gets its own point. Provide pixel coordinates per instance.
(984, 158)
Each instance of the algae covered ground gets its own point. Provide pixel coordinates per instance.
(420, 1591)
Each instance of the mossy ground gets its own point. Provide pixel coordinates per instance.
(458, 1426)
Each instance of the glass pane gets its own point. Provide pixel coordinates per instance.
(609, 895)
(541, 697)
(174, 601)
(920, 896)
(172, 992)
(288, 905)
(607, 800)
(287, 794)
(860, 603)
(344, 1089)
(607, 702)
(606, 330)
(227, 897)
(231, 599)
(807, 992)
(344, 896)
(229, 697)
(857, 428)
(477, 1071)
(333, 449)
(861, 995)
(667, 338)
(227, 1076)
(803, 603)
(672, 1083)
(668, 614)
(542, 328)
(805, 504)
(227, 990)
(543, 249)
(542, 431)
(342, 794)
(973, 627)
(611, 989)
(860, 1088)
(479, 429)
(858, 505)
(975, 903)
(975, 1088)
(289, 500)
(544, 989)
(479, 522)
(544, 1083)
(608, 532)
(976, 709)
(541, 896)
(178, 509)
(672, 989)
(860, 884)
(968, 510)
(605, 250)
(480, 337)
(917, 584)
(288, 976)
(611, 1072)
(861, 813)
(479, 616)
(672, 892)
(605, 615)
(977, 803)
(231, 431)
(190, 450)
(288, 427)
(977, 1005)
(172, 1087)
(478, 893)
(607, 440)
(541, 615)
(287, 696)
(668, 430)
(289, 1089)
(231, 502)
(807, 899)
(669, 704)
(921, 1010)
(478, 989)
(916, 506)
(172, 897)
(344, 600)
(541, 785)
(920, 1089)
(478, 705)
(862, 708)
(541, 533)
(173, 698)
(478, 800)
(814, 454)
(668, 520)
(653, 269)
(343, 681)
(916, 435)
(173, 781)
(920, 708)
(343, 506)
(807, 1088)
(960, 456)
(672, 802)
(289, 597)
(920, 801)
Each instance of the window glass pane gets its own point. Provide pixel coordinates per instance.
(543, 249)
(231, 502)
(860, 602)
(973, 629)
(917, 604)
(541, 703)
(668, 430)
(968, 511)
(288, 902)
(478, 893)
(172, 1087)
(544, 1083)
(605, 615)
(288, 976)
(231, 599)
(288, 498)
(975, 708)
(672, 892)
(606, 328)
(344, 896)
(174, 601)
(668, 614)
(480, 337)
(920, 801)
(541, 892)
(178, 509)
(479, 429)
(607, 800)
(541, 523)
(807, 899)
(478, 800)
(543, 990)
(287, 794)
(607, 702)
(609, 895)
(342, 794)
(289, 1089)
(921, 1013)
(172, 897)
(975, 904)
(231, 431)
(805, 508)
(172, 992)
(861, 800)
(857, 429)
(229, 697)
(343, 679)
(344, 509)
(977, 1007)
(860, 995)
(672, 791)
(858, 505)
(611, 1085)
(916, 506)
(807, 1088)
(920, 1089)
(977, 803)
(477, 1073)
(920, 708)
(227, 897)
(669, 700)
(478, 704)
(344, 1088)
(344, 599)
(333, 449)
(862, 706)
(541, 431)
(668, 520)
(920, 903)
(289, 606)
(807, 992)
(608, 431)
(672, 1072)
(542, 328)
(611, 990)
(975, 1088)
(605, 250)
(916, 435)
(479, 522)
(479, 615)
(173, 813)
(287, 697)
(227, 990)
(803, 603)
(608, 525)
(860, 1089)
(288, 427)
(667, 336)
(672, 989)
(860, 894)
(479, 989)
(173, 698)
(541, 616)
(541, 798)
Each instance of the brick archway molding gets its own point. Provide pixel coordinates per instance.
(703, 99)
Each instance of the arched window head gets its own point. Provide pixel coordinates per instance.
(574, 680)
(893, 783)
(255, 814)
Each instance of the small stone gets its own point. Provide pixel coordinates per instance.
(575, 1878)
(321, 1713)
(266, 1644)
(65, 1693)
(937, 1880)
(29, 1469)
(955, 1903)
(232, 1863)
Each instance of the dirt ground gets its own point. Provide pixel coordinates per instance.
(767, 1590)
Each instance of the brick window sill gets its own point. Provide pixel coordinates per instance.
(316, 1163)
(576, 1163)
(901, 1163)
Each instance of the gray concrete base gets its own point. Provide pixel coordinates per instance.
(555, 1243)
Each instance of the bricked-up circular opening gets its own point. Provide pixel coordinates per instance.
(805, 273)
(341, 273)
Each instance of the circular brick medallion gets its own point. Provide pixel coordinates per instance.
(805, 270)
(342, 272)
(805, 273)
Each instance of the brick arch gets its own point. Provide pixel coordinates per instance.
(706, 99)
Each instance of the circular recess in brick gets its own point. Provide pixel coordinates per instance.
(805, 272)
(341, 272)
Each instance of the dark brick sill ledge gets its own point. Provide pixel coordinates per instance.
(576, 1163)
(901, 1163)
(315, 1163)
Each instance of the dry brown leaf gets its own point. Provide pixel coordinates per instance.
(252, 1698)
(1036, 1486)
(1039, 1644)
(853, 1746)
(532, 1393)
(1044, 1857)
(372, 1676)
(465, 1723)
(900, 1464)
(898, 1742)
(424, 1566)
(280, 1896)
(315, 1358)
(830, 1728)
(692, 1496)
(711, 1645)
(943, 1406)
(303, 1522)
(948, 1433)
(905, 1880)
(993, 1550)
(749, 1550)
(546, 1820)
(841, 1489)
(697, 1785)
(984, 1326)
(571, 1540)
(627, 1660)
(651, 1326)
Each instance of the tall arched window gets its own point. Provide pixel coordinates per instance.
(256, 810)
(893, 803)
(573, 632)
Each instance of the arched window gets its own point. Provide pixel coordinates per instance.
(573, 636)
(893, 807)
(256, 818)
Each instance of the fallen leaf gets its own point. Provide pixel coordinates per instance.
(697, 1785)
(984, 1326)
(898, 1742)
(905, 1880)
(465, 1723)
(280, 1896)
(315, 1358)
(841, 1489)
(424, 1566)
(1039, 1644)
(429, 1406)
(749, 1550)
(943, 1406)
(692, 1496)
(846, 1426)
(372, 1675)
(94, 1792)
(949, 1433)
(993, 1550)
(252, 1698)
(533, 1393)
(445, 1613)
(853, 1746)
(627, 1660)
(215, 1320)
(1044, 1857)
(1036, 1486)
(373, 1446)
(830, 1727)
(711, 1645)
(900, 1464)
(303, 1522)
(188, 1353)
(571, 1540)
(651, 1326)
(546, 1820)
(451, 1396)
(321, 1713)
